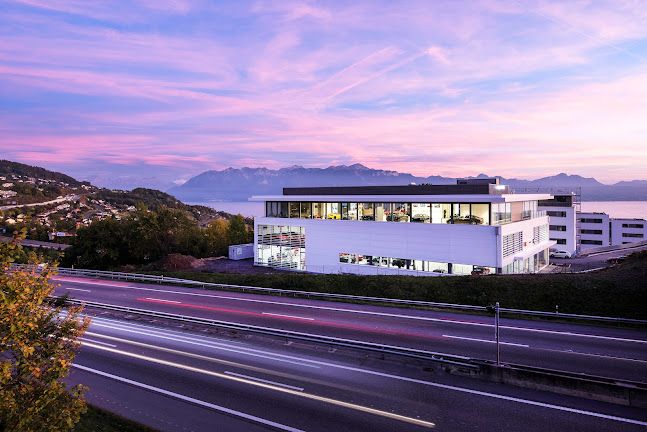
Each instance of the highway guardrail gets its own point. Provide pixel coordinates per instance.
(177, 281)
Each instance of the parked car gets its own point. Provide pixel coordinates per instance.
(480, 270)
(398, 262)
(618, 259)
(560, 254)
(420, 218)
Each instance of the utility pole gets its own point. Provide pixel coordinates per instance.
(496, 332)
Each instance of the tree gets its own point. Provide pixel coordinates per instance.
(237, 231)
(37, 346)
(216, 234)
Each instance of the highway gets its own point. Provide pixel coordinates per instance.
(618, 353)
(174, 379)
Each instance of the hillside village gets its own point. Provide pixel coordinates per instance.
(52, 207)
(51, 210)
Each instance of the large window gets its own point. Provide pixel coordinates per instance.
(306, 210)
(628, 225)
(480, 214)
(352, 211)
(591, 220)
(318, 210)
(276, 209)
(294, 209)
(281, 246)
(333, 210)
(632, 235)
(441, 213)
(501, 213)
(401, 212)
(553, 213)
(415, 265)
(421, 212)
(529, 208)
(590, 231)
(592, 242)
(559, 228)
(366, 211)
(382, 212)
(460, 214)
(417, 212)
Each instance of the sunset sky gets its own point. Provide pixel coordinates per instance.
(164, 90)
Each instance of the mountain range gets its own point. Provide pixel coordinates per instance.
(234, 184)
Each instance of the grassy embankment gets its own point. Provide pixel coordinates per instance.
(98, 420)
(618, 291)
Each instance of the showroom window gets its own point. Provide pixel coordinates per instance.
(421, 212)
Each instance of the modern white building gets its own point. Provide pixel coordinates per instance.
(473, 227)
(595, 230)
(625, 231)
(562, 216)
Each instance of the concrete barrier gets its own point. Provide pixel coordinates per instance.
(615, 391)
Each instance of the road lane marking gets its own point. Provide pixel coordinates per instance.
(83, 340)
(264, 381)
(77, 289)
(163, 300)
(287, 316)
(486, 340)
(310, 396)
(189, 399)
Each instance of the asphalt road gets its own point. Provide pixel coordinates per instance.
(610, 352)
(594, 260)
(176, 380)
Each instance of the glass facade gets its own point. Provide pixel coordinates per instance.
(532, 264)
(416, 212)
(281, 246)
(415, 265)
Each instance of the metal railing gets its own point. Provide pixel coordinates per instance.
(171, 280)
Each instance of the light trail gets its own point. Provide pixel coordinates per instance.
(269, 387)
(285, 317)
(188, 399)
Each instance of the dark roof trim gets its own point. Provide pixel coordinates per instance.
(462, 189)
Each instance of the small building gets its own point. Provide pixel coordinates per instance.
(625, 231)
(241, 251)
(595, 230)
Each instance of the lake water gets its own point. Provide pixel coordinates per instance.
(245, 208)
(615, 209)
